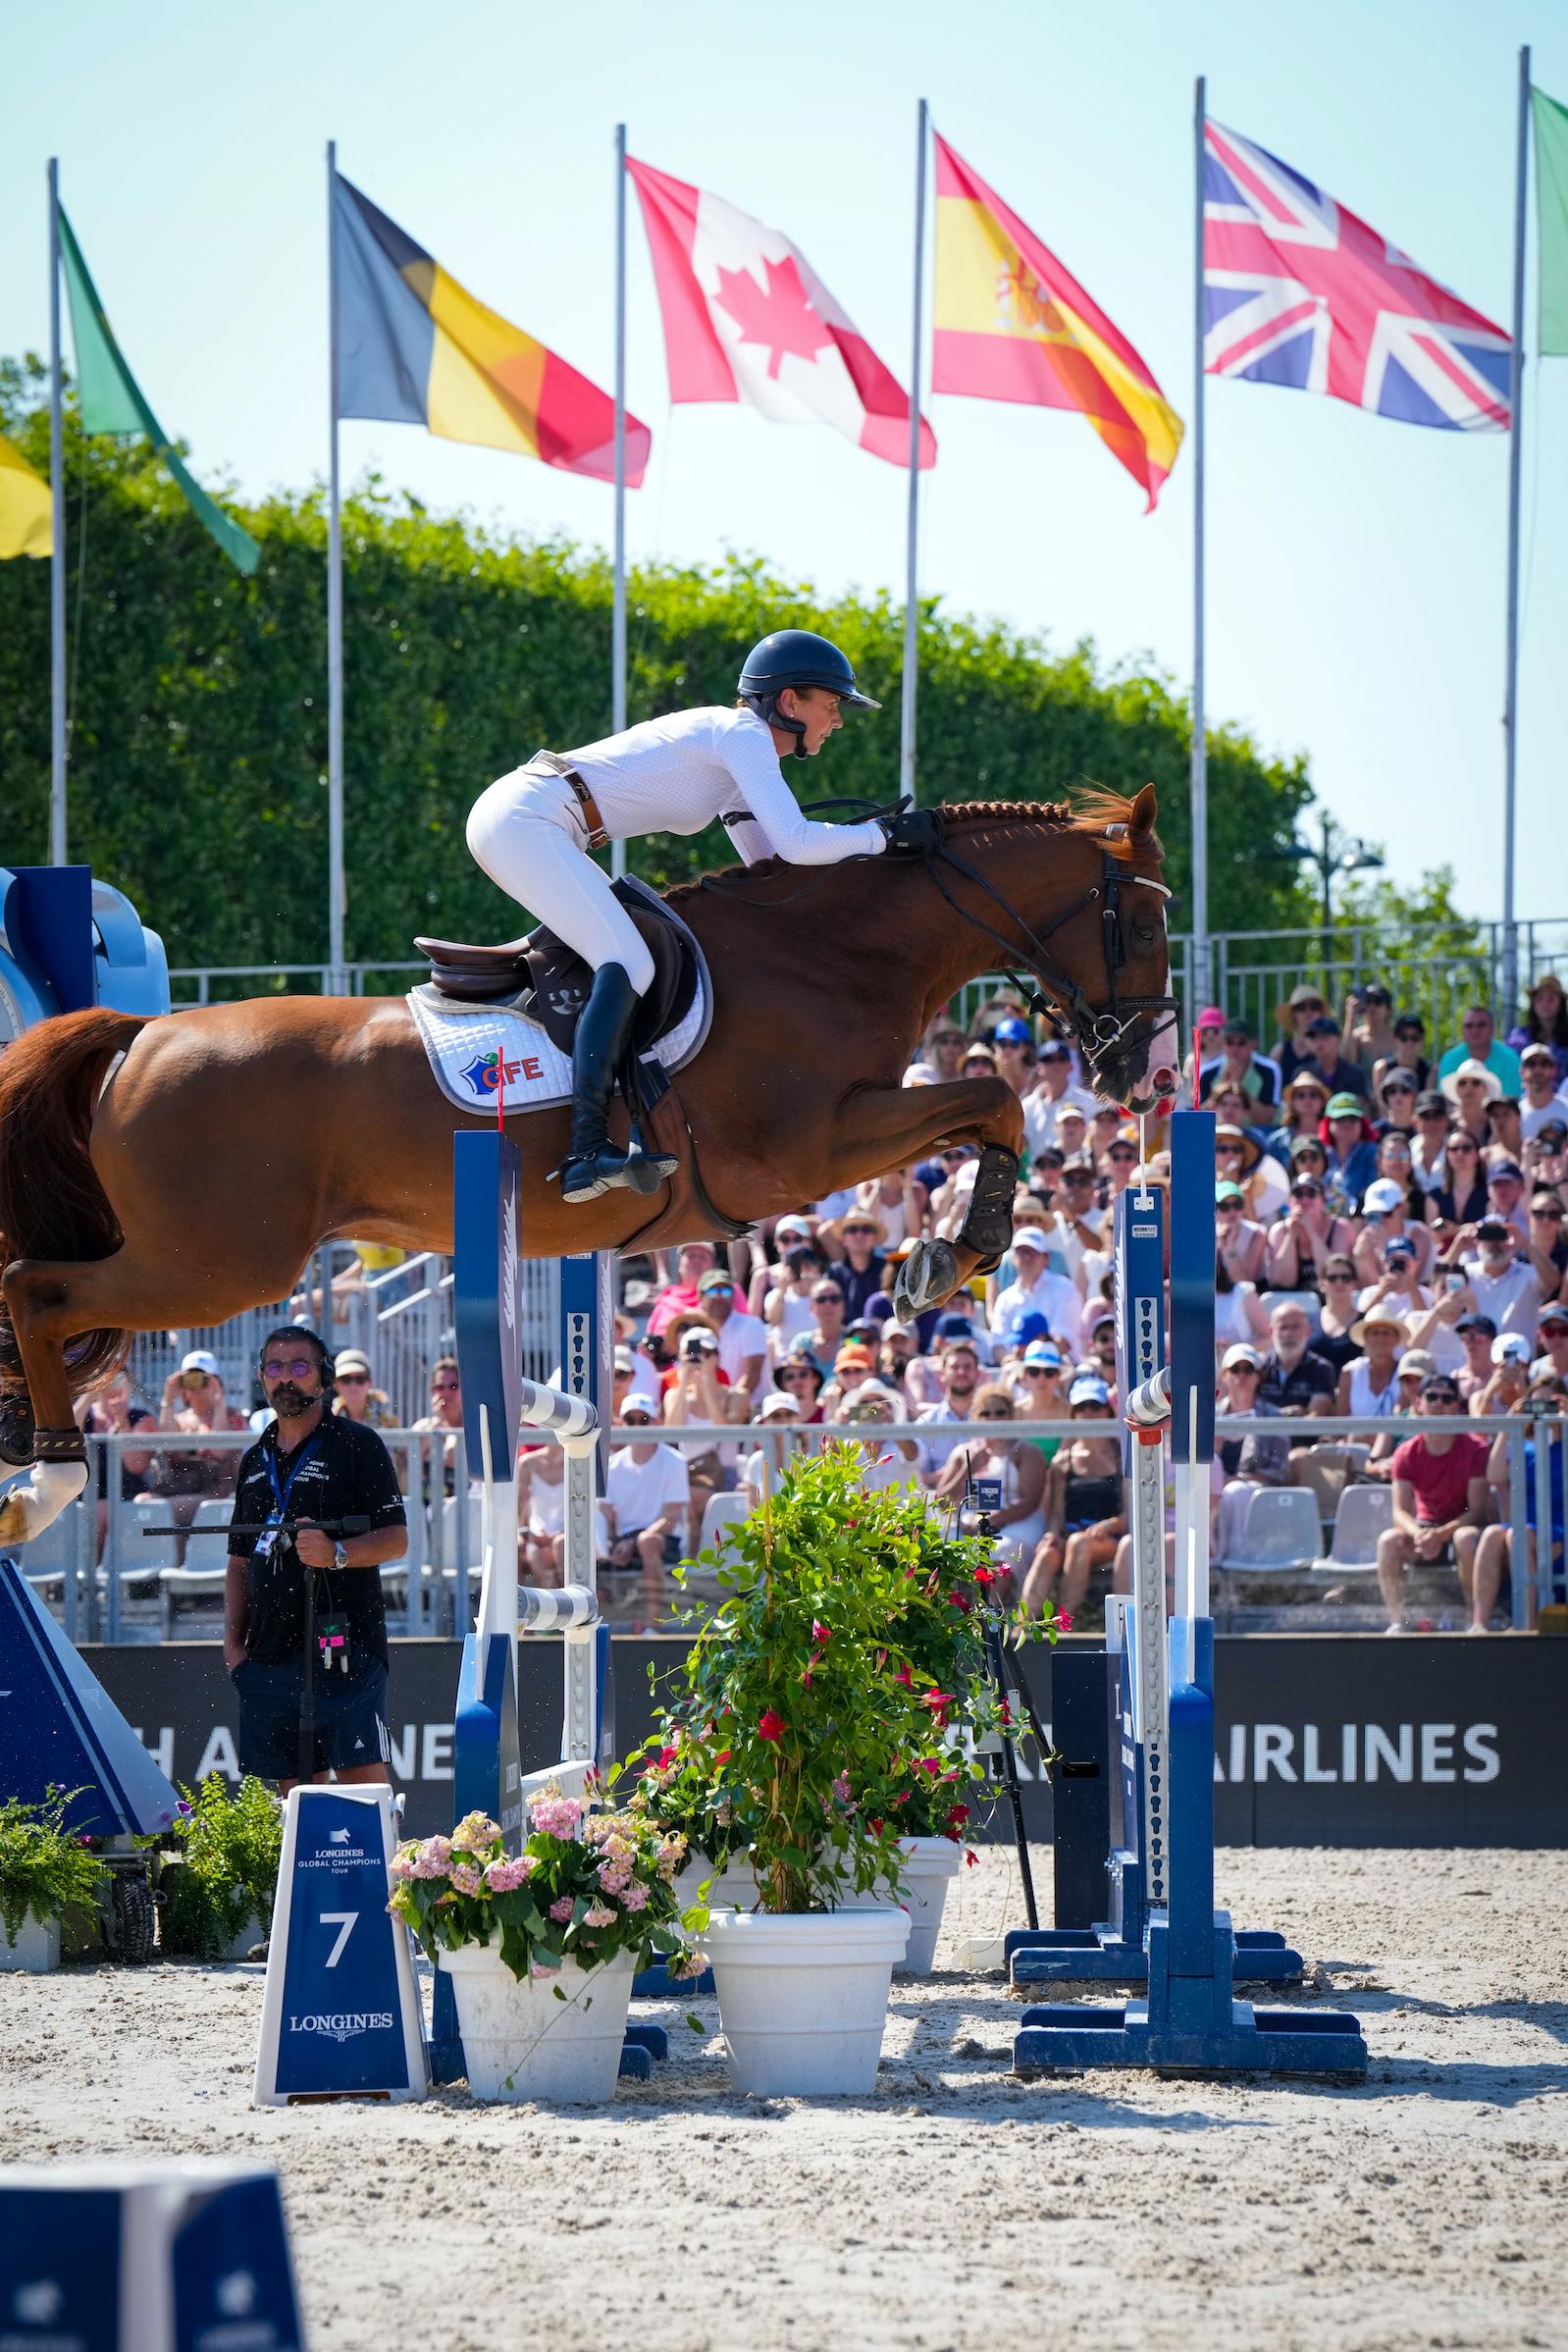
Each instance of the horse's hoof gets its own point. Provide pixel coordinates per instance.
(927, 1276)
(15, 1432)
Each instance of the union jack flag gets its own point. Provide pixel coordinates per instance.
(1298, 291)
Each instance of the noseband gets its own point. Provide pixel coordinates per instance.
(1099, 1030)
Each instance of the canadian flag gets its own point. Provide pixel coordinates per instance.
(747, 318)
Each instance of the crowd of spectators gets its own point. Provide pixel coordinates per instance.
(1389, 1243)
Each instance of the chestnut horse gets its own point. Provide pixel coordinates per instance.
(180, 1170)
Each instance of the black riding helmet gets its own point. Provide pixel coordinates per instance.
(796, 658)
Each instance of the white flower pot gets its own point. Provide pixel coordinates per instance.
(803, 1995)
(520, 2042)
(37, 1949)
(931, 1865)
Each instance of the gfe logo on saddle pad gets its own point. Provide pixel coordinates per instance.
(481, 1072)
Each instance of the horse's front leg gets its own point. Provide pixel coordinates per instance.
(882, 1128)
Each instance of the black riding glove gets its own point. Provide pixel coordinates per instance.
(917, 829)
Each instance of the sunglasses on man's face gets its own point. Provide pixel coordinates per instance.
(298, 1366)
(1121, 1158)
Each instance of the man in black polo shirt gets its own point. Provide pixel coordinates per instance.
(1294, 1380)
(310, 1465)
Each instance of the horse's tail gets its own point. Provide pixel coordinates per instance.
(51, 1202)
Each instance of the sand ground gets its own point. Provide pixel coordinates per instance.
(958, 2207)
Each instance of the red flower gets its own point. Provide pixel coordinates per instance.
(929, 1765)
(958, 1600)
(1064, 1622)
(820, 1632)
(905, 1677)
(666, 1757)
(957, 1815)
(770, 1726)
(985, 1576)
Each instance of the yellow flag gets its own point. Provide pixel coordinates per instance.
(25, 520)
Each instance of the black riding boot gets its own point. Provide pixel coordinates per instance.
(592, 1165)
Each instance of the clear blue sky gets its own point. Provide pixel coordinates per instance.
(1356, 566)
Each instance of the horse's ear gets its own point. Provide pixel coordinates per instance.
(1145, 809)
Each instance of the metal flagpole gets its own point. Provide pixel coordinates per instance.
(1202, 978)
(337, 977)
(1510, 703)
(912, 583)
(617, 627)
(57, 559)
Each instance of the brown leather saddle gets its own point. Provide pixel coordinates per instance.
(541, 976)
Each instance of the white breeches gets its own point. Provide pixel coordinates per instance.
(528, 834)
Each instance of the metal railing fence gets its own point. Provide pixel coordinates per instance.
(108, 1581)
(1253, 971)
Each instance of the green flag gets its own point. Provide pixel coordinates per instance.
(1552, 221)
(112, 402)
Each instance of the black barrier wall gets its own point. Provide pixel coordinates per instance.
(1432, 1741)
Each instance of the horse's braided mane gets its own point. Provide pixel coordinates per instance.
(1097, 807)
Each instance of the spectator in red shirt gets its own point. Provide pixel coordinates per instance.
(1439, 1501)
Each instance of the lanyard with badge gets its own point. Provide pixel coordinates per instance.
(329, 1634)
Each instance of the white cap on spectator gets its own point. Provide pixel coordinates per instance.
(1030, 1236)
(1511, 1347)
(921, 1073)
(201, 1359)
(775, 1407)
(637, 1402)
(1241, 1354)
(799, 1227)
(1086, 1389)
(1381, 1195)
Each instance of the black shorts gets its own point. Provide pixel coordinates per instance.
(350, 1718)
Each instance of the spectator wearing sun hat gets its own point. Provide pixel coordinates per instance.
(1239, 1157)
(1544, 1022)
(1472, 1090)
(854, 1259)
(1304, 1007)
(1037, 1292)
(1369, 1385)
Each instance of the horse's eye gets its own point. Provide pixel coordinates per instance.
(1144, 933)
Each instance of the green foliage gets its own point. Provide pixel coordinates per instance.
(1412, 927)
(588, 1885)
(831, 1705)
(229, 1850)
(198, 745)
(44, 1868)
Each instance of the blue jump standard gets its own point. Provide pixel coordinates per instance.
(1190, 2021)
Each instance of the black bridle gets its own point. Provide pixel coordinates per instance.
(1099, 1030)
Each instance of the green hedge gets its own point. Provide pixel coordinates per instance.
(199, 738)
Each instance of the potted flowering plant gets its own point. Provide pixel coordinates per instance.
(45, 1870)
(542, 1945)
(827, 1716)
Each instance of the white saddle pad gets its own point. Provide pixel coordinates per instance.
(472, 1047)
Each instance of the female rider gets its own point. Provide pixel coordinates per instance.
(533, 829)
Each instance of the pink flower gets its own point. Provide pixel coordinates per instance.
(540, 1974)
(466, 1878)
(1063, 1621)
(405, 1864)
(556, 1817)
(770, 1726)
(434, 1857)
(635, 1899)
(841, 1788)
(938, 1702)
(820, 1632)
(507, 1872)
(598, 1914)
(612, 1876)
(562, 1909)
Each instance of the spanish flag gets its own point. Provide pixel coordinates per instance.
(1012, 324)
(415, 348)
(26, 521)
